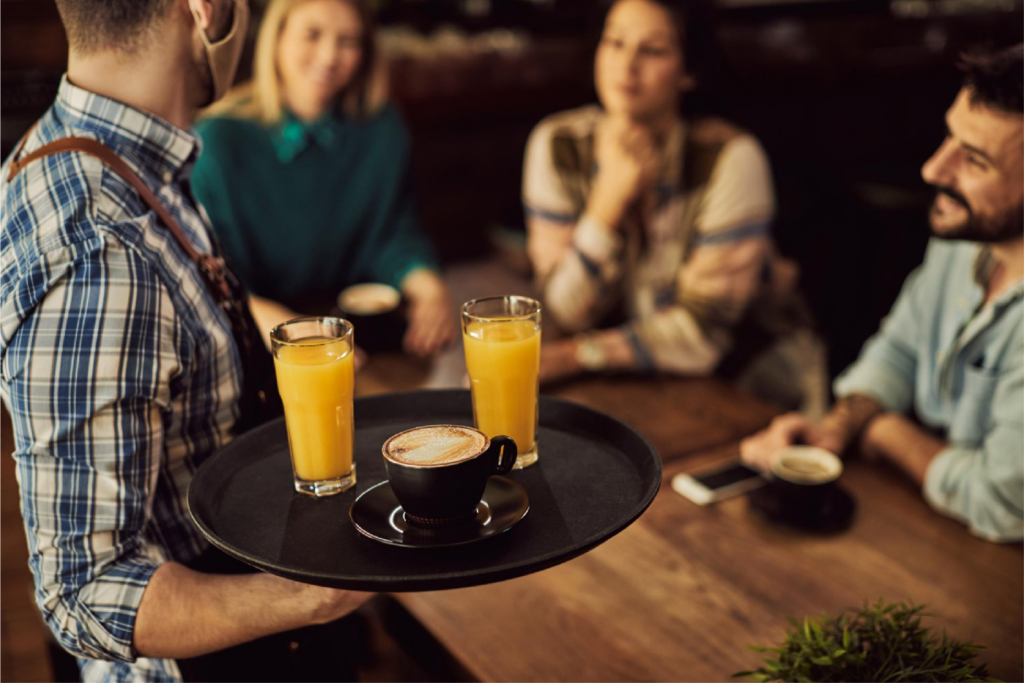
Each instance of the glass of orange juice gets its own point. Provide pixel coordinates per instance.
(501, 338)
(315, 375)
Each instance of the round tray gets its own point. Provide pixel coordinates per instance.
(595, 476)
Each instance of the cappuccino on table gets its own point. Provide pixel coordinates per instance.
(435, 445)
(369, 299)
(807, 465)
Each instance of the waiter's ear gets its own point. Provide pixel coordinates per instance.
(202, 10)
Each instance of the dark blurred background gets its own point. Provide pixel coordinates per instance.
(846, 97)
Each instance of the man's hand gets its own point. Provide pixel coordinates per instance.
(787, 430)
(432, 324)
(558, 361)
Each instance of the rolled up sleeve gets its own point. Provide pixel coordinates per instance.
(887, 365)
(984, 486)
(577, 260)
(87, 379)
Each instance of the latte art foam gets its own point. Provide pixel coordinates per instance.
(440, 445)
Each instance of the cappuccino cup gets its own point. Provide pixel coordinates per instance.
(804, 476)
(376, 310)
(439, 472)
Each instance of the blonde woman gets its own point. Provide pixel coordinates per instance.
(304, 174)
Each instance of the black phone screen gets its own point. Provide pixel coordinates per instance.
(726, 476)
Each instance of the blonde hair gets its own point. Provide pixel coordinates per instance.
(261, 98)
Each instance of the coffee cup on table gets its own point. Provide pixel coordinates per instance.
(804, 476)
(439, 472)
(376, 311)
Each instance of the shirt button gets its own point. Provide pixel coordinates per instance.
(168, 177)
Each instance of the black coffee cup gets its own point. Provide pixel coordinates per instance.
(375, 310)
(447, 492)
(804, 477)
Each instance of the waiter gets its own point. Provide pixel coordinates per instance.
(127, 357)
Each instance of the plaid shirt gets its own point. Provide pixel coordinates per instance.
(118, 368)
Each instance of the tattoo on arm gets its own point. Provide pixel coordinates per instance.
(851, 414)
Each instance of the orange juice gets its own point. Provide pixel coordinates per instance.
(316, 377)
(503, 359)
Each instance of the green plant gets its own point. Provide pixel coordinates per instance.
(878, 643)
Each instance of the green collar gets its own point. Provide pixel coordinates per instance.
(292, 135)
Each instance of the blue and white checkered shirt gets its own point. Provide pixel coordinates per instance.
(118, 368)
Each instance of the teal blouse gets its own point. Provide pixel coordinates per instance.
(303, 210)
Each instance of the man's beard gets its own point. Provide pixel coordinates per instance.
(988, 229)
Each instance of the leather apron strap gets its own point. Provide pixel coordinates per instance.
(260, 400)
(211, 268)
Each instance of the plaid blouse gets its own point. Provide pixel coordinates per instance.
(118, 369)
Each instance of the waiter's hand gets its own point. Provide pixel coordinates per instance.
(431, 320)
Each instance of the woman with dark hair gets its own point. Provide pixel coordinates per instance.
(304, 174)
(653, 228)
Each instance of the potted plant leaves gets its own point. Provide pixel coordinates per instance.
(881, 642)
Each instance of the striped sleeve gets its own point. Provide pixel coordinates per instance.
(87, 376)
(690, 331)
(543, 193)
(577, 261)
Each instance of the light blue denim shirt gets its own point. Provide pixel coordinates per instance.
(960, 366)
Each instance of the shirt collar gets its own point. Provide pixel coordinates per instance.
(157, 146)
(984, 264)
(291, 136)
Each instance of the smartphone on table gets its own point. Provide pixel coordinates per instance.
(720, 481)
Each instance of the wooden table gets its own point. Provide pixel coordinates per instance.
(681, 593)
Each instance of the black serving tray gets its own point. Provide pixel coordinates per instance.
(595, 476)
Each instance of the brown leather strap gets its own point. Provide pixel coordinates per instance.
(209, 265)
(15, 166)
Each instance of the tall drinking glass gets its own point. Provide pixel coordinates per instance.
(501, 337)
(315, 375)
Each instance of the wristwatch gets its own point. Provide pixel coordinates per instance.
(590, 354)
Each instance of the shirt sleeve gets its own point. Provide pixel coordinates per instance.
(402, 247)
(723, 272)
(87, 378)
(984, 486)
(577, 260)
(887, 365)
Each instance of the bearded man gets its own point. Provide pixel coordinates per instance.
(951, 352)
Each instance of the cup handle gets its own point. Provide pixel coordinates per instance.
(507, 453)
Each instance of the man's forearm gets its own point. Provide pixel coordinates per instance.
(185, 613)
(850, 415)
(903, 443)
